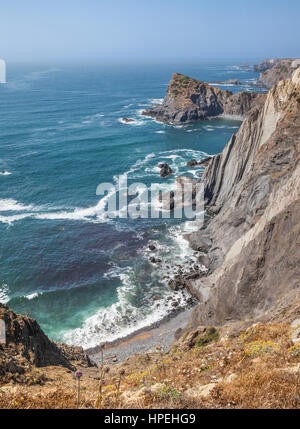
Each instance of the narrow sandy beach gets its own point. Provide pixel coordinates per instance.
(146, 340)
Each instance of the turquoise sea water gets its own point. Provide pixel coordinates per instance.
(84, 277)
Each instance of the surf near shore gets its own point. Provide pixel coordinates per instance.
(160, 336)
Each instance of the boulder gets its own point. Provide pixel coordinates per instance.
(202, 391)
(165, 170)
(127, 120)
(192, 163)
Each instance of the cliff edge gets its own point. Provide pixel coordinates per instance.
(25, 347)
(252, 189)
(277, 70)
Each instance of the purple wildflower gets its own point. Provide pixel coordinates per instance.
(78, 374)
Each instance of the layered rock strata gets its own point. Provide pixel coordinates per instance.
(252, 190)
(189, 100)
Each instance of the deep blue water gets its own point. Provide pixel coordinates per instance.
(84, 277)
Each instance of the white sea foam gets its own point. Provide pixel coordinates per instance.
(98, 213)
(122, 318)
(13, 205)
(132, 122)
(222, 84)
(11, 219)
(209, 128)
(32, 296)
(4, 293)
(92, 118)
(156, 100)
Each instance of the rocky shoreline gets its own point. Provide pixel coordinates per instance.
(247, 252)
(255, 169)
(189, 100)
(237, 186)
(156, 337)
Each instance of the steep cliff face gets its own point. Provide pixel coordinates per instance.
(189, 100)
(26, 345)
(280, 70)
(252, 188)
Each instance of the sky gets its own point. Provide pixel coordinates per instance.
(148, 30)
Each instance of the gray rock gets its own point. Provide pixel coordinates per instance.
(253, 190)
(189, 100)
(166, 170)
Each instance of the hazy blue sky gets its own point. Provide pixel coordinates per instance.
(148, 29)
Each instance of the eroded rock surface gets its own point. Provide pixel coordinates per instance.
(26, 346)
(280, 70)
(253, 194)
(189, 100)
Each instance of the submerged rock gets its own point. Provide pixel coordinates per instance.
(203, 162)
(165, 170)
(192, 163)
(127, 120)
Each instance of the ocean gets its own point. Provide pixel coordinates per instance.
(87, 278)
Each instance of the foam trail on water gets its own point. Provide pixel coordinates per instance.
(9, 204)
(4, 297)
(122, 318)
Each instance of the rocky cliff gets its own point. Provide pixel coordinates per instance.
(189, 100)
(279, 70)
(252, 189)
(27, 346)
(265, 65)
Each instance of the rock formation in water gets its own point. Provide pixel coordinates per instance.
(165, 170)
(189, 100)
(251, 242)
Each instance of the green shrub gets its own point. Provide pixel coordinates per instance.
(210, 335)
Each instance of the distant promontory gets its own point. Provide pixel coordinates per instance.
(189, 100)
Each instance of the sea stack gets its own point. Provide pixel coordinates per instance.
(189, 100)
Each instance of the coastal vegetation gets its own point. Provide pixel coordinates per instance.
(254, 367)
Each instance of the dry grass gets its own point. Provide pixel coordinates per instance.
(266, 379)
(260, 386)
